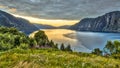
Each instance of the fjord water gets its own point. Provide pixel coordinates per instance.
(80, 41)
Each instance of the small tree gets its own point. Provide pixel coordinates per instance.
(62, 47)
(41, 38)
(51, 43)
(56, 46)
(117, 45)
(97, 51)
(32, 42)
(110, 46)
(68, 48)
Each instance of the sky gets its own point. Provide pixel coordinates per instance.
(57, 11)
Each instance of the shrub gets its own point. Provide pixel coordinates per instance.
(24, 46)
(97, 51)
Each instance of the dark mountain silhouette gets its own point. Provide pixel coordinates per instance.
(43, 26)
(21, 24)
(110, 22)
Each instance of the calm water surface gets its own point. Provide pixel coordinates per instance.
(80, 41)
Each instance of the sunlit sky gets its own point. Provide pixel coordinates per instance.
(58, 12)
(52, 22)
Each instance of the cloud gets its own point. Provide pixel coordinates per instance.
(62, 9)
(51, 22)
(2, 6)
(13, 10)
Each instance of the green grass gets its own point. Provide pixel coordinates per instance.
(52, 58)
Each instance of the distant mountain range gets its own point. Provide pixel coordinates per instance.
(110, 22)
(21, 24)
(44, 26)
(64, 27)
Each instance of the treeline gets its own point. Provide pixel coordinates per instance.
(12, 38)
(112, 48)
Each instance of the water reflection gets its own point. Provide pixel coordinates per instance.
(81, 41)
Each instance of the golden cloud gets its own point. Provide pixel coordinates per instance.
(12, 10)
(2, 6)
(51, 22)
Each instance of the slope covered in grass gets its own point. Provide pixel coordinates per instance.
(20, 51)
(53, 58)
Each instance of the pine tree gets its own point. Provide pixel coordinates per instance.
(68, 48)
(51, 43)
(56, 46)
(62, 47)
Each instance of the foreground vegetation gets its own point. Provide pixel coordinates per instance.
(20, 51)
(53, 58)
(111, 49)
(11, 38)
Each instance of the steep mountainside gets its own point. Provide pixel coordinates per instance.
(21, 24)
(110, 22)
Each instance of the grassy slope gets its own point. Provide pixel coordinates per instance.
(51, 58)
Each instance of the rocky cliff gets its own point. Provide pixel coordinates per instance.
(110, 22)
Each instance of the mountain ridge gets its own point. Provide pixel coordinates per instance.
(21, 24)
(109, 22)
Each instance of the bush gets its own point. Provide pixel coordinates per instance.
(32, 42)
(97, 51)
(11, 38)
(24, 46)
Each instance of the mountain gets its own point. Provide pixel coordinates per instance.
(42, 26)
(21, 24)
(110, 22)
(64, 27)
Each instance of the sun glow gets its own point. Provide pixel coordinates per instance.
(51, 22)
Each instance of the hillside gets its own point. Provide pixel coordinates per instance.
(17, 50)
(110, 22)
(52, 58)
(21, 24)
